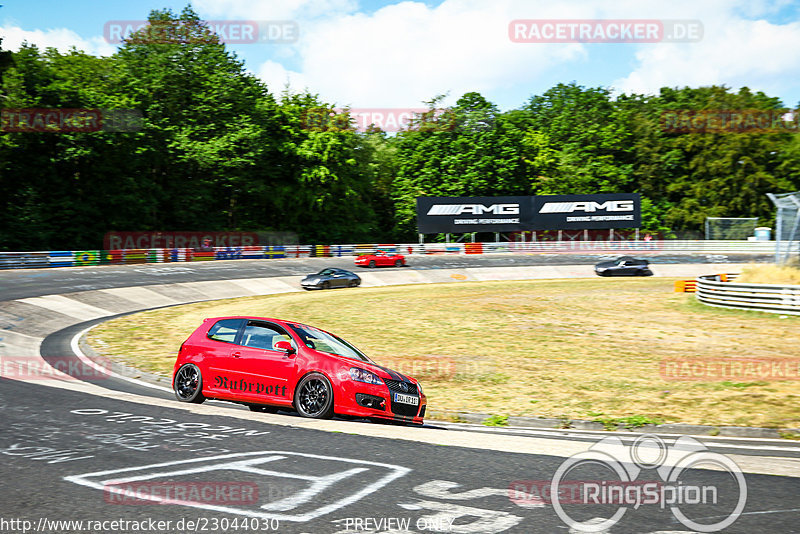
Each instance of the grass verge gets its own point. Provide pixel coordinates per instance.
(569, 349)
(764, 273)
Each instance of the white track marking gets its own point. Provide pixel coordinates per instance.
(74, 345)
(112, 481)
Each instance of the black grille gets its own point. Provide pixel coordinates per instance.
(398, 408)
(396, 385)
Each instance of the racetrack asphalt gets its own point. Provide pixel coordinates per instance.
(62, 445)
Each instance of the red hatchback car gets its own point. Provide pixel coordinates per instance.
(381, 259)
(269, 364)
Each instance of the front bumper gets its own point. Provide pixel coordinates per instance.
(377, 401)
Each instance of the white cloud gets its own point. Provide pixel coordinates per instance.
(276, 76)
(274, 9)
(59, 38)
(733, 52)
(407, 53)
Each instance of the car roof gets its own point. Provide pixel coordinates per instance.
(250, 318)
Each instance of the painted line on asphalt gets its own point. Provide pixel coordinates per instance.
(575, 433)
(249, 462)
(74, 345)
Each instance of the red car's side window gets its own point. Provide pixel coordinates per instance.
(225, 330)
(263, 336)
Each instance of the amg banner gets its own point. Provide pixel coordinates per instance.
(510, 214)
(586, 212)
(437, 215)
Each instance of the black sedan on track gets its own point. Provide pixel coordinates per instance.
(624, 266)
(330, 278)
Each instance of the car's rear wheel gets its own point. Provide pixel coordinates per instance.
(398, 263)
(372, 264)
(314, 397)
(189, 384)
(353, 283)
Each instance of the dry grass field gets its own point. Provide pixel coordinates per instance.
(766, 273)
(580, 349)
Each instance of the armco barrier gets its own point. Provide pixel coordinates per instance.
(773, 298)
(85, 258)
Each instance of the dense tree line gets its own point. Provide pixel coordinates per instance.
(218, 150)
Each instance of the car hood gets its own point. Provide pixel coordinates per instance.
(384, 372)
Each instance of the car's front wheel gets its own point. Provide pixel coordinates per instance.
(188, 384)
(372, 264)
(326, 285)
(314, 397)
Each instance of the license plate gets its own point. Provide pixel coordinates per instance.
(406, 399)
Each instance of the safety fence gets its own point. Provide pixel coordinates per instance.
(82, 258)
(714, 290)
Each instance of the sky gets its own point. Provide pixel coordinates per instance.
(400, 54)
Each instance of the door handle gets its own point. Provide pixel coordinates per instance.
(236, 354)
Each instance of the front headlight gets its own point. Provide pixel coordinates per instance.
(362, 375)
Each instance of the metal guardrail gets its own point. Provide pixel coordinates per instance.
(772, 298)
(85, 258)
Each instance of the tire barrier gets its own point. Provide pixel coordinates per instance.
(85, 258)
(722, 291)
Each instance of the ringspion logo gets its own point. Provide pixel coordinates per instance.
(648, 472)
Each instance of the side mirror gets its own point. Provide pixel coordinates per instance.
(285, 346)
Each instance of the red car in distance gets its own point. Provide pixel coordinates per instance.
(381, 259)
(268, 364)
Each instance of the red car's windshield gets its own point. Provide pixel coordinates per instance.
(317, 339)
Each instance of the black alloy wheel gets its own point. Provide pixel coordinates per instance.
(189, 384)
(314, 397)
